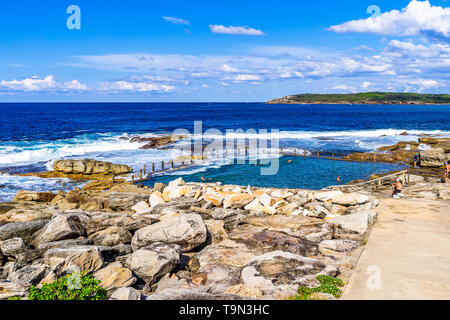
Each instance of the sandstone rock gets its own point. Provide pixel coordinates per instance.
(215, 198)
(350, 199)
(156, 199)
(141, 207)
(191, 294)
(238, 200)
(254, 206)
(287, 209)
(216, 230)
(327, 195)
(13, 247)
(23, 195)
(29, 275)
(267, 240)
(187, 230)
(22, 230)
(340, 245)
(60, 227)
(11, 289)
(114, 276)
(231, 218)
(353, 226)
(277, 272)
(433, 158)
(103, 221)
(126, 294)
(244, 291)
(90, 166)
(154, 261)
(172, 282)
(316, 210)
(111, 236)
(75, 258)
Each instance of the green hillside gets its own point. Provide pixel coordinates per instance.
(366, 98)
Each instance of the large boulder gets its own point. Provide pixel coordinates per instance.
(23, 195)
(22, 230)
(90, 166)
(29, 275)
(350, 199)
(75, 258)
(433, 157)
(154, 261)
(279, 273)
(13, 247)
(186, 230)
(102, 220)
(11, 289)
(114, 276)
(126, 294)
(111, 236)
(353, 226)
(60, 227)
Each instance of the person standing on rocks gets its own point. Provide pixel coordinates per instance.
(446, 171)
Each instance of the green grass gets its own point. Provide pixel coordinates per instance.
(373, 97)
(328, 285)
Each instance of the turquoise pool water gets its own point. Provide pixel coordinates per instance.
(306, 173)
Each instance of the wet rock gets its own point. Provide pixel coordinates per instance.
(22, 230)
(186, 230)
(60, 227)
(111, 236)
(13, 247)
(114, 276)
(154, 261)
(126, 294)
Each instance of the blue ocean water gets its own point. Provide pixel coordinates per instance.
(33, 135)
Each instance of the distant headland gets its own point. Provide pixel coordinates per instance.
(364, 98)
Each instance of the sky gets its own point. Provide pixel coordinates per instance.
(219, 51)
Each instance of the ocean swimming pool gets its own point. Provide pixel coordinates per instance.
(294, 172)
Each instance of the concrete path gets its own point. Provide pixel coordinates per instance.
(407, 255)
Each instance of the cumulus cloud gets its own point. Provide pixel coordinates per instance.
(176, 20)
(343, 87)
(417, 18)
(119, 86)
(236, 30)
(38, 84)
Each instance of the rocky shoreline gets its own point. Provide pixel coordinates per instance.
(192, 240)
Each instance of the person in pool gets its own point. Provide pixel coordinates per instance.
(396, 187)
(446, 171)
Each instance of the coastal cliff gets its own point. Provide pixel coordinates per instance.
(364, 98)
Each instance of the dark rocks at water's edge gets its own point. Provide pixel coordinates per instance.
(185, 240)
(153, 142)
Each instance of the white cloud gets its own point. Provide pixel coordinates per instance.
(246, 77)
(176, 20)
(366, 84)
(418, 18)
(38, 84)
(134, 87)
(236, 30)
(343, 88)
(228, 69)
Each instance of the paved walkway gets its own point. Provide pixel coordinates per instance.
(409, 248)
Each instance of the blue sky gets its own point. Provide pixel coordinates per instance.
(220, 51)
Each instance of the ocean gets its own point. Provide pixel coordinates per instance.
(34, 135)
